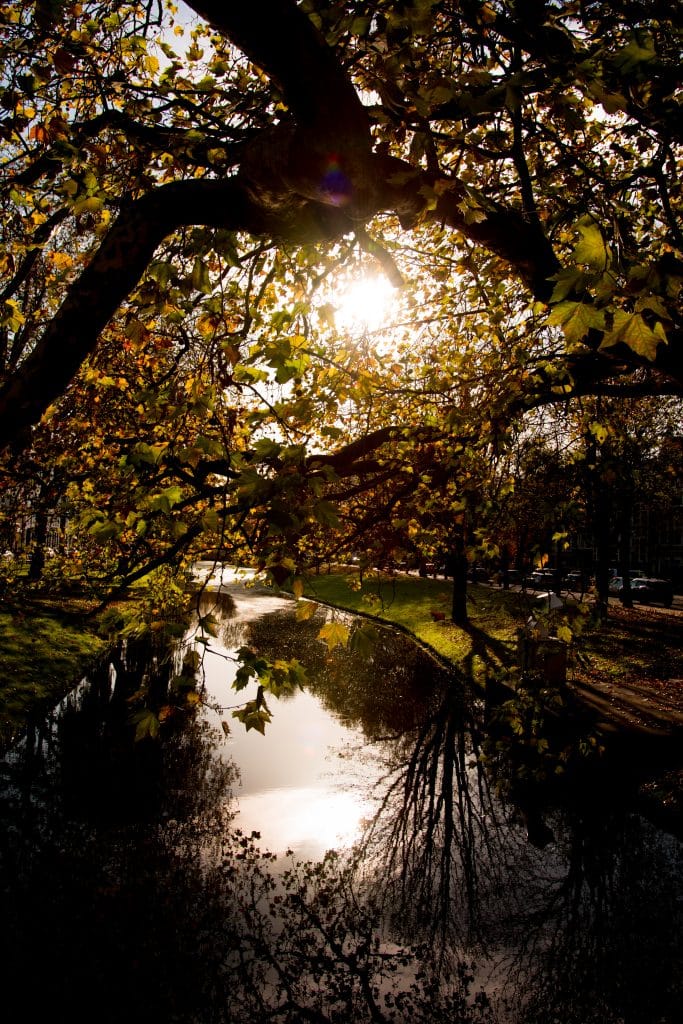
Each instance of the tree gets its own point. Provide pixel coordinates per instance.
(627, 460)
(515, 161)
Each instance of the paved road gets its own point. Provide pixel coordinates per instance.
(677, 606)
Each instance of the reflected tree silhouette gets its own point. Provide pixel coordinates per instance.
(121, 862)
(428, 821)
(463, 857)
(592, 948)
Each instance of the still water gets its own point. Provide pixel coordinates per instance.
(187, 878)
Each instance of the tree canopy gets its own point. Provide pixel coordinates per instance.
(183, 192)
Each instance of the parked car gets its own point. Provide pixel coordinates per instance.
(479, 574)
(578, 582)
(514, 577)
(541, 579)
(647, 590)
(633, 573)
(616, 585)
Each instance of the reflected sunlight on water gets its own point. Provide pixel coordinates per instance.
(309, 821)
(289, 789)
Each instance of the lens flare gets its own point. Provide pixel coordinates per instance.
(335, 184)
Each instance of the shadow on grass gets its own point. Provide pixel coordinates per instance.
(492, 651)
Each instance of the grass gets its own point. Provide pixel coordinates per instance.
(44, 649)
(47, 646)
(641, 644)
(417, 605)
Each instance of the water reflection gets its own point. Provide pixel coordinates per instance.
(551, 921)
(289, 789)
(134, 864)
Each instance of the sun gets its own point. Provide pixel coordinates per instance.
(363, 304)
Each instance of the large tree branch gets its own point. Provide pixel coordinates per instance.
(156, 138)
(116, 268)
(327, 108)
(289, 188)
(280, 39)
(519, 240)
(330, 148)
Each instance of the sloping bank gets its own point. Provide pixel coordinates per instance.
(633, 717)
(44, 649)
(617, 674)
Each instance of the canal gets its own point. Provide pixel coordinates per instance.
(387, 851)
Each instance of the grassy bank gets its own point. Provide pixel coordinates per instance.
(643, 644)
(43, 651)
(47, 646)
(422, 607)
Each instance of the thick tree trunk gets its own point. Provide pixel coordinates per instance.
(625, 551)
(37, 562)
(601, 526)
(459, 566)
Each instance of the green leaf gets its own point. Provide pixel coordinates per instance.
(211, 520)
(249, 374)
(641, 50)
(364, 639)
(326, 513)
(655, 304)
(566, 281)
(208, 624)
(576, 319)
(251, 666)
(161, 272)
(146, 453)
(166, 499)
(284, 677)
(360, 26)
(306, 610)
(632, 330)
(146, 724)
(254, 715)
(590, 250)
(104, 529)
(200, 277)
(266, 448)
(209, 445)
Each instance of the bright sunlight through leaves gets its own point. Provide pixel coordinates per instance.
(363, 304)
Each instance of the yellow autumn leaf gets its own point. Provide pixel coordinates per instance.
(306, 610)
(92, 204)
(632, 330)
(334, 634)
(61, 260)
